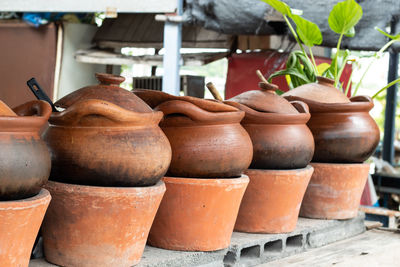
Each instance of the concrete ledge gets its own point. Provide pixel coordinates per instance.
(252, 249)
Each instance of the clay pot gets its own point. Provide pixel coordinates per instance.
(334, 191)
(197, 214)
(322, 91)
(97, 142)
(207, 139)
(272, 200)
(280, 140)
(24, 158)
(343, 133)
(19, 224)
(98, 226)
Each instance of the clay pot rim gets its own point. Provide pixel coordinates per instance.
(39, 199)
(357, 104)
(256, 117)
(142, 191)
(114, 115)
(197, 115)
(308, 168)
(21, 123)
(243, 179)
(339, 165)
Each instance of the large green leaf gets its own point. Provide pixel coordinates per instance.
(279, 6)
(344, 16)
(308, 31)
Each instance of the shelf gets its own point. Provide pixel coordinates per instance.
(89, 6)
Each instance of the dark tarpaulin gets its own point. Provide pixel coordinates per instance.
(247, 17)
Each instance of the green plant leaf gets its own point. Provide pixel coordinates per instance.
(308, 31)
(393, 37)
(279, 6)
(344, 16)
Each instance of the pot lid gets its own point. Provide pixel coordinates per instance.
(107, 90)
(322, 91)
(265, 100)
(6, 111)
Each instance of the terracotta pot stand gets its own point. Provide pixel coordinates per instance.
(197, 214)
(19, 224)
(334, 191)
(98, 226)
(272, 200)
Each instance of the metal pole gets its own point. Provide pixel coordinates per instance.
(172, 56)
(391, 103)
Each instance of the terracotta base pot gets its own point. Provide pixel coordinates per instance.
(98, 226)
(272, 200)
(334, 191)
(20, 221)
(197, 214)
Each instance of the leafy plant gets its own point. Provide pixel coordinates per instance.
(342, 19)
(301, 69)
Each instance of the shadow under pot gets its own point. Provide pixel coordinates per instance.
(343, 132)
(280, 140)
(205, 143)
(96, 142)
(24, 158)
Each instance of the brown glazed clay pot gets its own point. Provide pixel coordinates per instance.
(280, 140)
(334, 191)
(206, 137)
(19, 224)
(343, 132)
(97, 142)
(272, 200)
(24, 158)
(98, 226)
(197, 214)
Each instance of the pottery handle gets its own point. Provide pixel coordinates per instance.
(300, 106)
(95, 107)
(188, 109)
(34, 108)
(361, 98)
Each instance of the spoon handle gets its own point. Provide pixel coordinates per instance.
(39, 93)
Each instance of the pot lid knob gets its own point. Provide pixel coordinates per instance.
(109, 79)
(325, 81)
(269, 87)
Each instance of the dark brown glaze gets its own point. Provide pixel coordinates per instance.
(206, 137)
(280, 141)
(343, 132)
(24, 157)
(95, 142)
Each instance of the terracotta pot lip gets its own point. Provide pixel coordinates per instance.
(41, 198)
(143, 191)
(319, 107)
(21, 124)
(253, 116)
(283, 171)
(276, 118)
(244, 179)
(339, 165)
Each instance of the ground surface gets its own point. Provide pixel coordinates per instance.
(372, 248)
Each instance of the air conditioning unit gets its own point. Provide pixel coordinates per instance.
(190, 85)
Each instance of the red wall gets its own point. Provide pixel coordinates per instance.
(242, 68)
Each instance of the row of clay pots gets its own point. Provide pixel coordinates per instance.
(107, 136)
